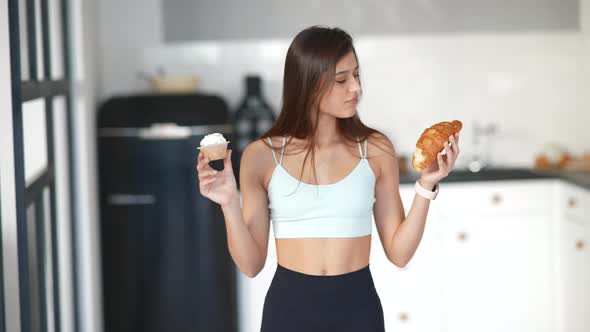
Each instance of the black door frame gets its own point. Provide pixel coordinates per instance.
(32, 195)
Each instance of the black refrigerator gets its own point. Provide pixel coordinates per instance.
(165, 260)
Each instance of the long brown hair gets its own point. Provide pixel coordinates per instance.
(310, 68)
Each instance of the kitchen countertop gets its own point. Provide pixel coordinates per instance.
(581, 179)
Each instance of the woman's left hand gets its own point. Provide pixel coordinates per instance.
(442, 166)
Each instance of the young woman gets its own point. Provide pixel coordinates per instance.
(321, 210)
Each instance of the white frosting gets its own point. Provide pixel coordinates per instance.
(215, 138)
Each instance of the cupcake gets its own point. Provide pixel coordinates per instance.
(214, 146)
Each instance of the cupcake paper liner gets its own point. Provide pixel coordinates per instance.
(215, 151)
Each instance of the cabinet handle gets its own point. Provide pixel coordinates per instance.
(580, 244)
(496, 199)
(403, 316)
(571, 202)
(462, 236)
(130, 199)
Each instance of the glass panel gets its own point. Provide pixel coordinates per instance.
(34, 138)
(62, 182)
(48, 253)
(24, 47)
(56, 40)
(33, 268)
(39, 41)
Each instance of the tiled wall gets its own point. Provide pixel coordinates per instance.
(529, 84)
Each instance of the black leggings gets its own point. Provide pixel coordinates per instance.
(299, 302)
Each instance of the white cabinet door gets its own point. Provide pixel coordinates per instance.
(585, 249)
(497, 273)
(410, 296)
(573, 254)
(575, 269)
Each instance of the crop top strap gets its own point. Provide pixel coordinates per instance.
(273, 151)
(283, 149)
(360, 149)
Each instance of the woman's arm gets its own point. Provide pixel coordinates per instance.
(408, 235)
(401, 235)
(247, 226)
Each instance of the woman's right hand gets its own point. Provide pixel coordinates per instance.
(218, 186)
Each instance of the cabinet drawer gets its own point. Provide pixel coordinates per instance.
(495, 197)
(574, 202)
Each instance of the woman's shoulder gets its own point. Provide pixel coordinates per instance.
(378, 144)
(381, 153)
(259, 151)
(257, 158)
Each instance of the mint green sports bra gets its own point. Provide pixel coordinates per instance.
(336, 210)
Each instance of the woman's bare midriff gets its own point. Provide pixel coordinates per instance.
(324, 256)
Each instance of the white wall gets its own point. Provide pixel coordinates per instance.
(125, 29)
(585, 20)
(84, 72)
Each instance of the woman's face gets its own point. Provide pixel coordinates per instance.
(341, 99)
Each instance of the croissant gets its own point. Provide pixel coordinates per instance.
(432, 142)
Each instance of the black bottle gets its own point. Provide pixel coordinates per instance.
(253, 117)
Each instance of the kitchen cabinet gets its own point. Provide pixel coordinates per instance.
(191, 21)
(574, 202)
(495, 247)
(410, 296)
(495, 256)
(575, 277)
(574, 266)
(496, 274)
